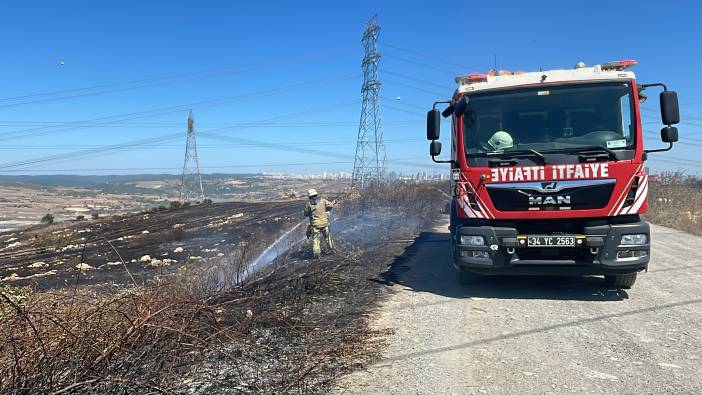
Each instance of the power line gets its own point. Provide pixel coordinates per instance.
(141, 83)
(428, 66)
(250, 165)
(402, 103)
(330, 106)
(677, 162)
(654, 116)
(653, 158)
(168, 110)
(648, 133)
(682, 160)
(687, 140)
(202, 146)
(162, 111)
(433, 93)
(114, 90)
(171, 124)
(275, 146)
(83, 153)
(419, 54)
(391, 107)
(417, 80)
(278, 146)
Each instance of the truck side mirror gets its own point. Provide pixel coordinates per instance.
(670, 112)
(435, 148)
(669, 134)
(433, 124)
(460, 107)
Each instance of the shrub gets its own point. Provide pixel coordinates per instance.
(175, 205)
(80, 217)
(48, 219)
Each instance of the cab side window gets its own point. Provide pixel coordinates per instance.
(626, 127)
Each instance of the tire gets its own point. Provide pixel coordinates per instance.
(624, 281)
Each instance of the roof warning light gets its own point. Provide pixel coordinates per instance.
(472, 78)
(619, 65)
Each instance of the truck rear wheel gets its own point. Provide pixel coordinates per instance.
(625, 281)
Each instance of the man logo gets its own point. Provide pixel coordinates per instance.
(546, 200)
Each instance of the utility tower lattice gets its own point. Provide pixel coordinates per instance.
(369, 165)
(191, 182)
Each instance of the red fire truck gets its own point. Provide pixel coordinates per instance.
(548, 172)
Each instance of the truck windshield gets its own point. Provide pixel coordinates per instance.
(550, 119)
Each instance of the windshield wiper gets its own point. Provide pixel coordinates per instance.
(517, 153)
(594, 152)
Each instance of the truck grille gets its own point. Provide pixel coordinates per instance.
(551, 195)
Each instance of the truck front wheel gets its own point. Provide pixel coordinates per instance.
(624, 281)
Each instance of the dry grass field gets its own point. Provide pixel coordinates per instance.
(675, 200)
(22, 205)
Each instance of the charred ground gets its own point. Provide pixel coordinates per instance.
(294, 327)
(149, 243)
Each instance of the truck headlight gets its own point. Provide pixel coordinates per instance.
(473, 240)
(635, 239)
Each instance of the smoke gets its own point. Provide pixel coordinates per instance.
(356, 230)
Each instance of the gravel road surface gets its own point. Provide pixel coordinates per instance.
(539, 334)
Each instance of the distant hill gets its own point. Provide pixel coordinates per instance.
(92, 180)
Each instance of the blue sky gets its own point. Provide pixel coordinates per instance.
(291, 72)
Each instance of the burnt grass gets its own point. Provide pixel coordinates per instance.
(292, 328)
(203, 232)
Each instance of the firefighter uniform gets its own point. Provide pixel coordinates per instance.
(317, 209)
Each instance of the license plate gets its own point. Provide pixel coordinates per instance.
(550, 241)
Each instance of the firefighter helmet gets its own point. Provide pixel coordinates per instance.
(500, 140)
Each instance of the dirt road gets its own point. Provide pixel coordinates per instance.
(539, 335)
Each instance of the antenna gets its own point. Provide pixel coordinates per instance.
(369, 164)
(190, 181)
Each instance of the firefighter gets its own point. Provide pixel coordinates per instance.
(317, 210)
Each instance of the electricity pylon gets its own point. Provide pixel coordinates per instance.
(190, 181)
(369, 165)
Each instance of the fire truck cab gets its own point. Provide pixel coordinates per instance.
(548, 173)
